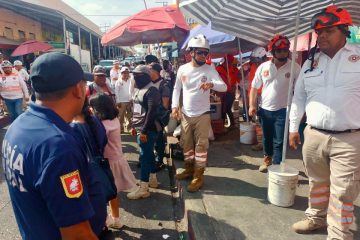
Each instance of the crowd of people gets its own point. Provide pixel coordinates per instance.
(56, 194)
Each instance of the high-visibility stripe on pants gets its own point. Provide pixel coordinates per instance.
(189, 155)
(341, 212)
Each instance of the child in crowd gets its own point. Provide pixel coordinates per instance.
(104, 108)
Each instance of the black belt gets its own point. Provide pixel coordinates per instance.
(335, 132)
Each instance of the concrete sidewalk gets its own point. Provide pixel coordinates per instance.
(233, 204)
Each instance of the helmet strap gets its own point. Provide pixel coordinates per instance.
(343, 29)
(312, 57)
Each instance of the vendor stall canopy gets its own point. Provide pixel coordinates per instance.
(258, 21)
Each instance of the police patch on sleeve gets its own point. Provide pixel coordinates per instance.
(72, 185)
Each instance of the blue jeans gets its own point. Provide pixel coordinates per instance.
(160, 146)
(273, 126)
(147, 157)
(14, 107)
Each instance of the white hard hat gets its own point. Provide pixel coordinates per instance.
(116, 62)
(17, 63)
(198, 41)
(258, 52)
(6, 63)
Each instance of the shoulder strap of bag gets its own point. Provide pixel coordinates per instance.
(85, 136)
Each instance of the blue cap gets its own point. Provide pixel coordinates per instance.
(55, 71)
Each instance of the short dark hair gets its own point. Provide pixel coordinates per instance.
(104, 106)
(151, 58)
(52, 96)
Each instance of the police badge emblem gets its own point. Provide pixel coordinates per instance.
(203, 79)
(287, 75)
(72, 185)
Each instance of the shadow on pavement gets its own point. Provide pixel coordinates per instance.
(131, 233)
(206, 227)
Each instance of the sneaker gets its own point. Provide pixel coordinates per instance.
(267, 162)
(307, 226)
(141, 191)
(112, 222)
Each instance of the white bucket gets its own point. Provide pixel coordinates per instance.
(282, 185)
(247, 133)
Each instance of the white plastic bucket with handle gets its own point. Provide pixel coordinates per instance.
(247, 133)
(282, 183)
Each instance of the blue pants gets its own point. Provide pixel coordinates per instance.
(14, 107)
(273, 126)
(160, 147)
(147, 157)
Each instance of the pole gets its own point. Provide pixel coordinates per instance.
(243, 82)
(65, 37)
(290, 90)
(99, 49)
(79, 44)
(145, 4)
(91, 52)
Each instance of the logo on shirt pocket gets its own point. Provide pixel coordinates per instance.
(72, 185)
(183, 78)
(266, 73)
(354, 58)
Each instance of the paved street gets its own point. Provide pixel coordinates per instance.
(232, 205)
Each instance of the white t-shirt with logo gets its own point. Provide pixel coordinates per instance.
(195, 100)
(275, 84)
(124, 89)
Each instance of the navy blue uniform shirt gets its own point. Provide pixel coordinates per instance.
(46, 171)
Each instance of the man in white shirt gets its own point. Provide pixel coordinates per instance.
(274, 77)
(115, 73)
(328, 91)
(21, 71)
(124, 88)
(195, 79)
(12, 90)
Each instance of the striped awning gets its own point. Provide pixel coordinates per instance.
(259, 20)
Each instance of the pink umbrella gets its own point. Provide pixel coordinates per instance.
(154, 25)
(30, 47)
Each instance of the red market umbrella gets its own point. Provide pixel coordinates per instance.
(154, 25)
(30, 47)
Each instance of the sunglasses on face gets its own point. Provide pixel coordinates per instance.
(203, 53)
(282, 50)
(323, 19)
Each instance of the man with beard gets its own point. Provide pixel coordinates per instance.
(328, 91)
(146, 100)
(195, 79)
(274, 77)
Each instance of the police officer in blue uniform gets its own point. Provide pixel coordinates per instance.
(45, 167)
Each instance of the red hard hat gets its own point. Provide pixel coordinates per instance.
(331, 16)
(278, 42)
